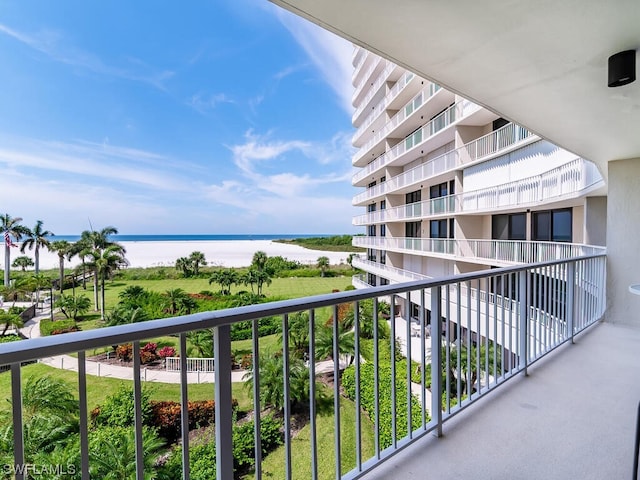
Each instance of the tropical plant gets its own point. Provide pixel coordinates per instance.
(62, 248)
(73, 306)
(9, 320)
(178, 301)
(124, 314)
(259, 260)
(22, 262)
(255, 277)
(183, 264)
(10, 227)
(201, 342)
(324, 342)
(197, 260)
(36, 239)
(272, 383)
(225, 277)
(350, 258)
(105, 262)
(323, 265)
(92, 244)
(134, 296)
(298, 334)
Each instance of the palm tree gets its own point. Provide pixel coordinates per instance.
(197, 260)
(22, 262)
(225, 278)
(323, 264)
(93, 243)
(36, 239)
(184, 264)
(10, 227)
(324, 342)
(104, 262)
(175, 297)
(259, 260)
(9, 320)
(37, 282)
(62, 248)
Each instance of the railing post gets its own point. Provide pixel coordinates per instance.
(570, 300)
(436, 360)
(523, 312)
(16, 405)
(223, 408)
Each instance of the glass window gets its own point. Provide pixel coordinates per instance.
(561, 223)
(542, 226)
(553, 225)
(438, 228)
(518, 226)
(500, 227)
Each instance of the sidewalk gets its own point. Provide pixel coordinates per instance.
(31, 329)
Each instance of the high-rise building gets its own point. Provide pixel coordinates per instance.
(448, 187)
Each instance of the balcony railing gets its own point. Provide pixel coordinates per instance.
(365, 79)
(573, 178)
(501, 140)
(473, 350)
(417, 138)
(373, 90)
(492, 252)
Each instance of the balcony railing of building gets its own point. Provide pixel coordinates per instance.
(471, 355)
(490, 252)
(357, 115)
(499, 141)
(357, 59)
(574, 178)
(417, 138)
(402, 114)
(398, 275)
(365, 79)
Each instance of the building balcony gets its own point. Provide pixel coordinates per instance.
(579, 391)
(418, 105)
(505, 139)
(407, 150)
(377, 65)
(575, 178)
(386, 75)
(497, 253)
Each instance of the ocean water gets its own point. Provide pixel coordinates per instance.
(193, 238)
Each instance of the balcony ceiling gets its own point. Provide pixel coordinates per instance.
(541, 64)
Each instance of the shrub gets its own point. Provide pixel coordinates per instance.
(10, 338)
(73, 328)
(124, 352)
(16, 310)
(47, 327)
(165, 352)
(118, 409)
(166, 416)
(368, 401)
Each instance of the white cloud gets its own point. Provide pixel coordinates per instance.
(330, 54)
(204, 102)
(52, 44)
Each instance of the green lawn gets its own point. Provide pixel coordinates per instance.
(279, 288)
(273, 466)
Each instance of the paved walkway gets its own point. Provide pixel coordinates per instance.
(31, 329)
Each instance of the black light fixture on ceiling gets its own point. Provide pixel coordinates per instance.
(622, 68)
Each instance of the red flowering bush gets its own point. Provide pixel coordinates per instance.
(124, 352)
(165, 352)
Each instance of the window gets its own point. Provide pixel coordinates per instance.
(440, 190)
(452, 228)
(371, 230)
(553, 226)
(383, 230)
(412, 229)
(438, 229)
(413, 197)
(383, 257)
(383, 204)
(372, 184)
(371, 208)
(509, 227)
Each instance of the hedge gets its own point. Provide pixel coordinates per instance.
(47, 327)
(368, 402)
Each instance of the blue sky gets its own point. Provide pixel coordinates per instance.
(225, 116)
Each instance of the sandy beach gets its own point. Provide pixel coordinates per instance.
(224, 253)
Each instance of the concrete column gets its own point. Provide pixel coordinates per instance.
(623, 241)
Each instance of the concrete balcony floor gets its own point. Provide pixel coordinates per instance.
(573, 417)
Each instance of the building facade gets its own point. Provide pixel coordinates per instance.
(447, 186)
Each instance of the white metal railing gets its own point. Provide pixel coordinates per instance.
(173, 364)
(569, 179)
(501, 140)
(573, 178)
(365, 79)
(410, 107)
(415, 139)
(373, 90)
(477, 348)
(494, 252)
